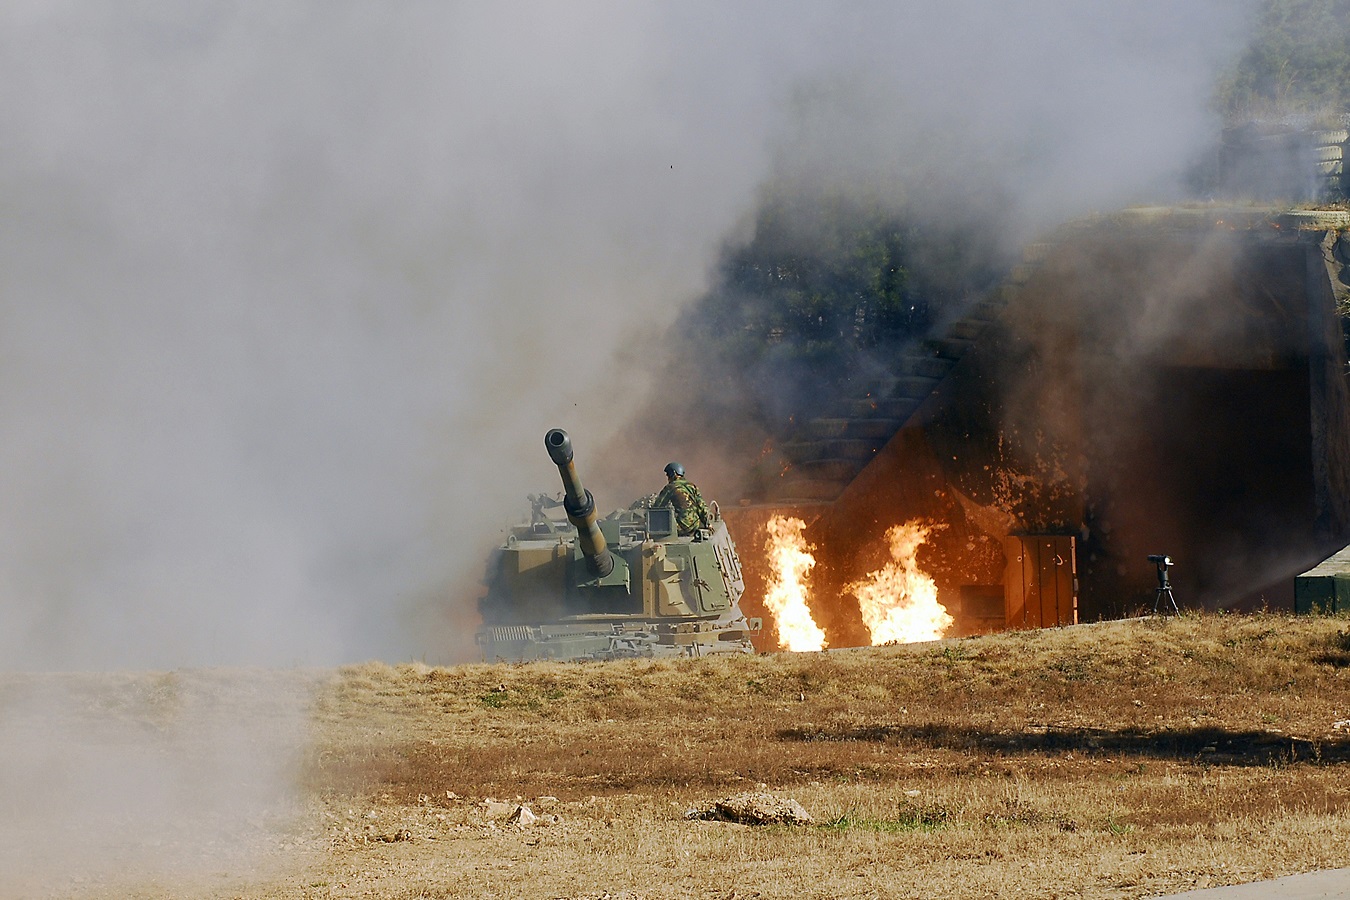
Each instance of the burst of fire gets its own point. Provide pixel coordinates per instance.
(899, 603)
(790, 559)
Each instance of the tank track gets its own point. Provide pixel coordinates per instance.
(625, 640)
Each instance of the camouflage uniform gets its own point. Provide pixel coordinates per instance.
(691, 513)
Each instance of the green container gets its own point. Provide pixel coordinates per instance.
(1324, 589)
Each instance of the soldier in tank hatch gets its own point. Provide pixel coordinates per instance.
(691, 513)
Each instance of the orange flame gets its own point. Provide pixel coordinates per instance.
(899, 603)
(790, 559)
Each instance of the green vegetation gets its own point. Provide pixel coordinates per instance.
(1298, 63)
(818, 274)
(908, 816)
(826, 288)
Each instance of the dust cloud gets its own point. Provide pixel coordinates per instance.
(290, 292)
(111, 780)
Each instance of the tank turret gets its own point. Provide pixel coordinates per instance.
(582, 587)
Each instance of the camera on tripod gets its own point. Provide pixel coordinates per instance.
(1163, 598)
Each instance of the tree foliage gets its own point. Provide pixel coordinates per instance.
(828, 288)
(1298, 63)
(829, 274)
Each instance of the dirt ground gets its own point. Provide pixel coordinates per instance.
(1124, 759)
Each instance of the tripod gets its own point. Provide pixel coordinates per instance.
(1163, 561)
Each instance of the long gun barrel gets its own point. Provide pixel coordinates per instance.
(579, 504)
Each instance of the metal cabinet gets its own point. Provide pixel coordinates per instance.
(1040, 584)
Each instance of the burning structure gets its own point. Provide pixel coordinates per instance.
(1161, 380)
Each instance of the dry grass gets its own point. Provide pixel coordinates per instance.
(1124, 759)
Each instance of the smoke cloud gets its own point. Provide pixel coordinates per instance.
(289, 293)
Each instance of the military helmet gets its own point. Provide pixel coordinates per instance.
(674, 470)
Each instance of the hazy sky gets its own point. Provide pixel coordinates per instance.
(290, 291)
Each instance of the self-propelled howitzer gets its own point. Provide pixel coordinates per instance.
(625, 585)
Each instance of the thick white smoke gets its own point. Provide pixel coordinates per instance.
(290, 292)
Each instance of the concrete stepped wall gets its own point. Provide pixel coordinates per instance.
(1284, 161)
(817, 461)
